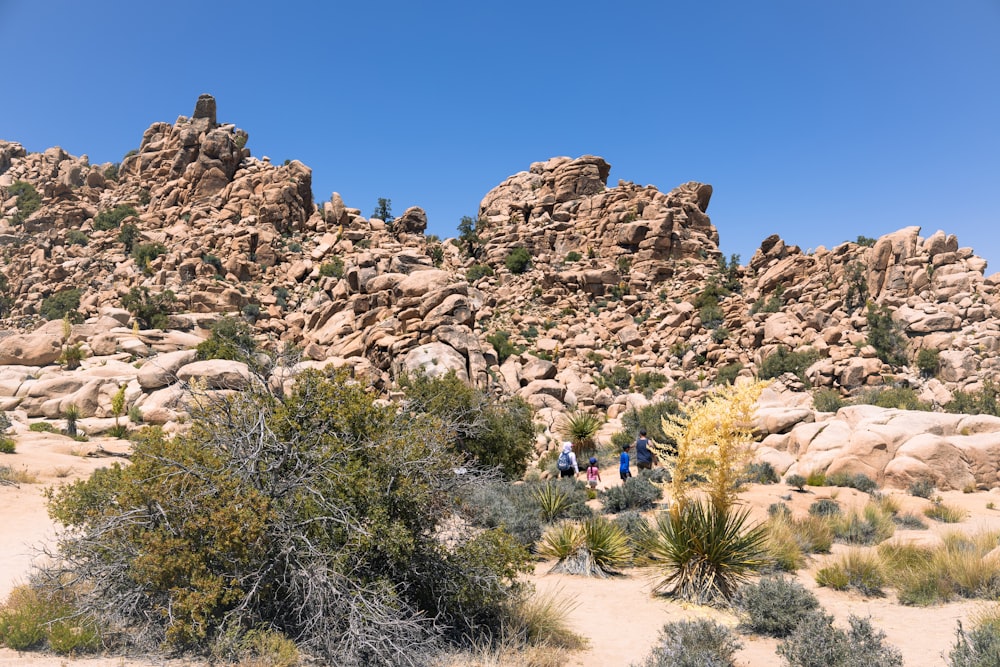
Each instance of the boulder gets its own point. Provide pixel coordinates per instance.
(216, 373)
(34, 349)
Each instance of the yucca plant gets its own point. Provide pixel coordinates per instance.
(705, 552)
(552, 501)
(595, 548)
(580, 428)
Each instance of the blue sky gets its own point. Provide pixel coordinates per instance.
(817, 121)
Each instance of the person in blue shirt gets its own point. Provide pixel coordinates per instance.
(643, 454)
(623, 463)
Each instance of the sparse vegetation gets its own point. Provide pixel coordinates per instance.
(774, 605)
(783, 360)
(59, 305)
(886, 335)
(698, 643)
(518, 260)
(333, 268)
(107, 220)
(816, 642)
(150, 310)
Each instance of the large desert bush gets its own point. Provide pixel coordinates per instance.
(322, 515)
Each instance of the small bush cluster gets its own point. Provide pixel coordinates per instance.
(477, 271)
(150, 310)
(638, 494)
(979, 647)
(783, 360)
(773, 605)
(901, 398)
(28, 200)
(332, 269)
(828, 400)
(922, 488)
(33, 618)
(817, 643)
(518, 260)
(698, 643)
(59, 305)
(107, 220)
(869, 526)
(761, 473)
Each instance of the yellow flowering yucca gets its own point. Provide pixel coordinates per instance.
(712, 441)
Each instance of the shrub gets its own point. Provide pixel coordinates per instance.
(825, 507)
(553, 500)
(720, 334)
(7, 445)
(332, 269)
(783, 360)
(761, 473)
(902, 398)
(784, 548)
(542, 620)
(28, 200)
(573, 256)
(922, 488)
(33, 618)
(649, 382)
(638, 494)
(979, 647)
(817, 643)
(816, 478)
(886, 335)
(72, 355)
(128, 235)
(728, 373)
(231, 338)
(149, 310)
(76, 237)
(982, 402)
(705, 553)
(317, 514)
(518, 260)
(798, 481)
(144, 253)
(500, 340)
(909, 521)
(774, 606)
(41, 427)
(928, 361)
(617, 376)
(59, 305)
(636, 528)
(477, 271)
(106, 220)
(870, 526)
(827, 400)
(493, 432)
(698, 643)
(858, 481)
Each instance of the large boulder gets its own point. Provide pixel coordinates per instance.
(34, 349)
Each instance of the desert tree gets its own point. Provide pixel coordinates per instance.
(321, 514)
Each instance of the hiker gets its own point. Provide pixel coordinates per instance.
(567, 461)
(593, 473)
(643, 454)
(623, 463)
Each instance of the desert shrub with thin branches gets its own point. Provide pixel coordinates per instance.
(698, 643)
(922, 488)
(320, 514)
(515, 507)
(34, 617)
(638, 494)
(816, 642)
(869, 526)
(773, 606)
(979, 647)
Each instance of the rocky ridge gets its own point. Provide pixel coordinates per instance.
(608, 298)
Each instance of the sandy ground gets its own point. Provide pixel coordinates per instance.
(619, 616)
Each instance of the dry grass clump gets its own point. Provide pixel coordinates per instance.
(9, 476)
(860, 569)
(790, 540)
(944, 513)
(869, 526)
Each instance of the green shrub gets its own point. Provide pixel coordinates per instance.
(858, 481)
(493, 432)
(636, 528)
(518, 260)
(149, 310)
(580, 427)
(573, 256)
(318, 513)
(638, 494)
(865, 241)
(128, 234)
(774, 606)
(649, 382)
(928, 361)
(902, 398)
(686, 384)
(761, 472)
(720, 334)
(144, 253)
(886, 335)
(33, 618)
(7, 445)
(500, 340)
(698, 643)
(617, 376)
(477, 271)
(332, 269)
(982, 402)
(28, 200)
(870, 526)
(76, 237)
(945, 513)
(783, 360)
(106, 220)
(728, 373)
(798, 481)
(59, 305)
(909, 521)
(816, 478)
(517, 508)
(41, 427)
(817, 643)
(825, 507)
(922, 488)
(72, 355)
(704, 553)
(827, 400)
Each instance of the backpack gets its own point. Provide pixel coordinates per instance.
(563, 463)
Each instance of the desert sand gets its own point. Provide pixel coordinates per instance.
(619, 616)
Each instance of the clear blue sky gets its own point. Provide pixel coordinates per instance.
(818, 121)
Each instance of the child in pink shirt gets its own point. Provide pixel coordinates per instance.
(593, 473)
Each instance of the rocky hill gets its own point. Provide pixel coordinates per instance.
(571, 293)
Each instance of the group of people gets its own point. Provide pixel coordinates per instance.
(568, 466)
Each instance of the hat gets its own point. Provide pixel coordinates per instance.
(567, 446)
(593, 459)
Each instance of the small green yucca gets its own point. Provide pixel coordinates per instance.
(595, 548)
(552, 501)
